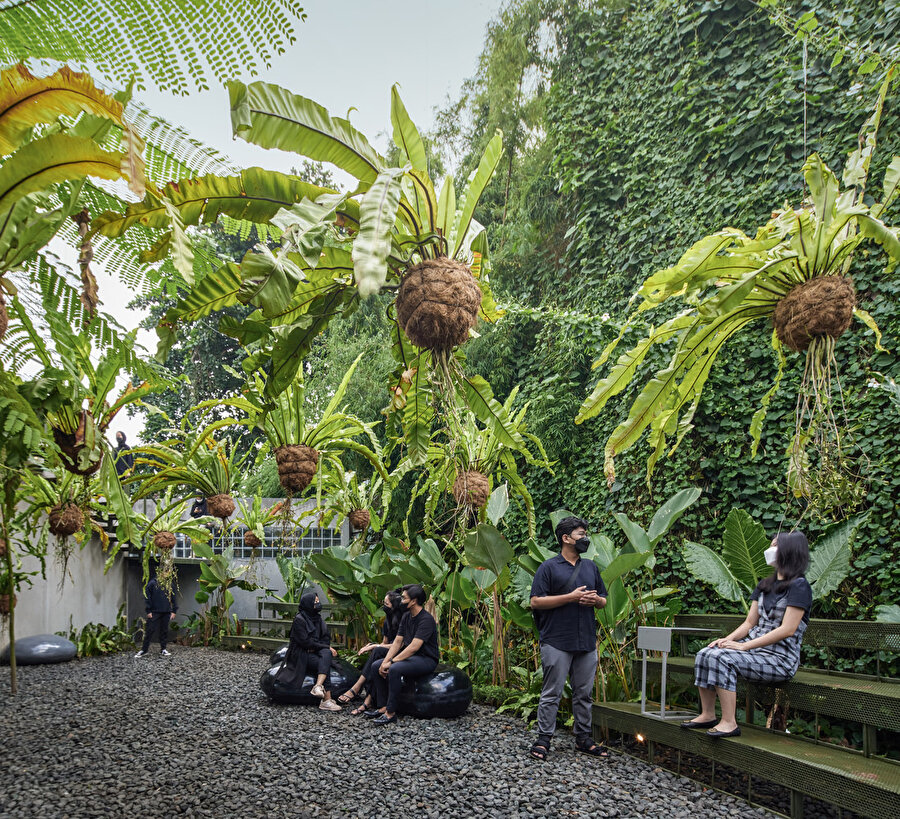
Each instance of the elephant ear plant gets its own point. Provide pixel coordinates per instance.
(735, 570)
(794, 272)
(393, 231)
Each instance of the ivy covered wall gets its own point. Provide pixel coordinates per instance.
(668, 121)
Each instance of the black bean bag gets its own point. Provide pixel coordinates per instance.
(444, 693)
(343, 675)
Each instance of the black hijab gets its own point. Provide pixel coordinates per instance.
(315, 624)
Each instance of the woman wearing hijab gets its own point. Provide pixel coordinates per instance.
(393, 613)
(310, 651)
(766, 646)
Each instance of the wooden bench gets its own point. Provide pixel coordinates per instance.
(858, 780)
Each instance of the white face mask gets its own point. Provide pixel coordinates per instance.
(769, 555)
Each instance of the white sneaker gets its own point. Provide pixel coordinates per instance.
(141, 653)
(329, 705)
(165, 653)
(318, 691)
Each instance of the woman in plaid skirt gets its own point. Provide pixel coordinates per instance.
(766, 646)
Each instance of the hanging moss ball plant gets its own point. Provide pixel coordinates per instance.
(822, 306)
(164, 541)
(221, 506)
(251, 540)
(437, 304)
(359, 519)
(471, 488)
(297, 464)
(66, 519)
(5, 606)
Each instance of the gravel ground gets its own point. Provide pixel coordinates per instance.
(193, 736)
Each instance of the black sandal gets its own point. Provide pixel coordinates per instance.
(358, 711)
(348, 696)
(539, 751)
(592, 749)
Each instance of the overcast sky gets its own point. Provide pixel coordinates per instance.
(347, 55)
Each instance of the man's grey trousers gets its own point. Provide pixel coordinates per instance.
(580, 667)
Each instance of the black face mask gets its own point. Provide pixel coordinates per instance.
(317, 607)
(387, 608)
(407, 606)
(582, 545)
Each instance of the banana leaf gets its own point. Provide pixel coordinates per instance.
(372, 244)
(52, 159)
(272, 117)
(479, 180)
(406, 135)
(829, 561)
(743, 545)
(26, 101)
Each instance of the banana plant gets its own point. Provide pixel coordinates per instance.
(54, 134)
(336, 248)
(729, 281)
(735, 570)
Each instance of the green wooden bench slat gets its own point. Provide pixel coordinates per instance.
(864, 700)
(868, 786)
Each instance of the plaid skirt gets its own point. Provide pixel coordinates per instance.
(775, 663)
(720, 667)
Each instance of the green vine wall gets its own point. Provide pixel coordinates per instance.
(668, 121)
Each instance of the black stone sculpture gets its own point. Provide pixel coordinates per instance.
(278, 655)
(41, 648)
(343, 675)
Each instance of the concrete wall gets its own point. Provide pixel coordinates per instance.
(86, 595)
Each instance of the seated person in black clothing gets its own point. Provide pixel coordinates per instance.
(414, 653)
(393, 613)
(310, 650)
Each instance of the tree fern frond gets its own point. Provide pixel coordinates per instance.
(175, 45)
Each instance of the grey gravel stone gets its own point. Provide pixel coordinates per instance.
(191, 735)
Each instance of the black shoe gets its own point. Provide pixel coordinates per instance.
(707, 723)
(384, 719)
(722, 734)
(372, 713)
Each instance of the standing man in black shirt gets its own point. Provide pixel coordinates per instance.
(564, 594)
(414, 653)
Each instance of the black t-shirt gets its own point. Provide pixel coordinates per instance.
(799, 595)
(423, 627)
(571, 627)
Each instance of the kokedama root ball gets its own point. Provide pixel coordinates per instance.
(220, 506)
(471, 488)
(297, 464)
(5, 607)
(66, 519)
(164, 541)
(359, 518)
(251, 540)
(4, 318)
(70, 448)
(819, 307)
(438, 303)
